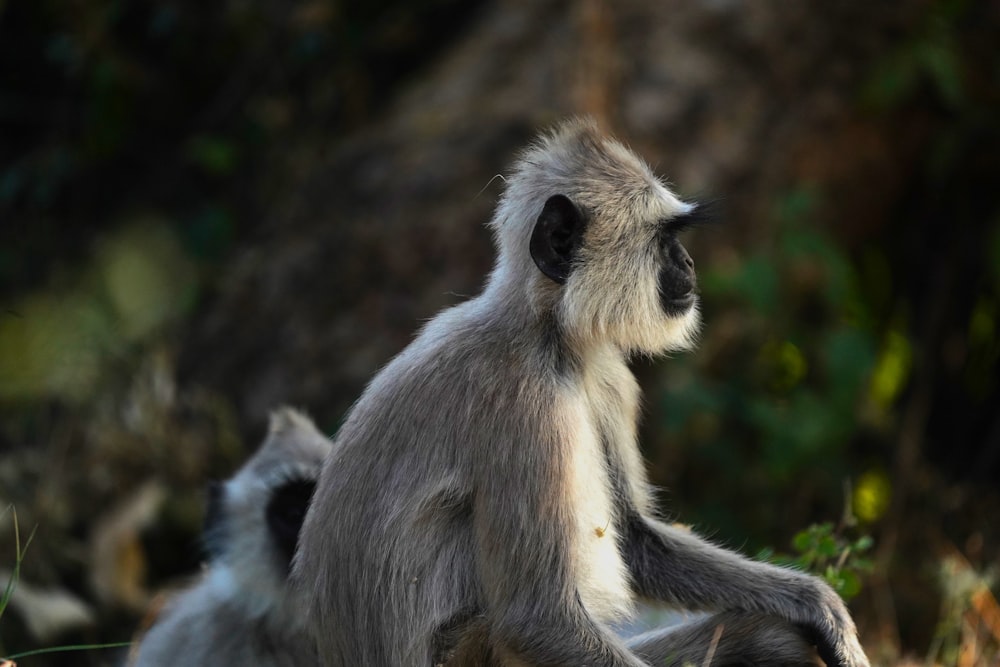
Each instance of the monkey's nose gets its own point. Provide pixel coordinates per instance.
(682, 257)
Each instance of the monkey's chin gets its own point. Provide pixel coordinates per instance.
(682, 326)
(663, 334)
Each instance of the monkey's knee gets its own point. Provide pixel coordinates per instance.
(728, 639)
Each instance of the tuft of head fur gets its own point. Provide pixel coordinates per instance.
(612, 294)
(242, 609)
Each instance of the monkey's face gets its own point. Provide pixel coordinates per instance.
(625, 276)
(677, 276)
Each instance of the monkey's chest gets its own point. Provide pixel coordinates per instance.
(601, 574)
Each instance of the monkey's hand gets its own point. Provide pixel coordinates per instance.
(827, 623)
(676, 566)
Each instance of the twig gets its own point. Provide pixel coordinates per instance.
(715, 643)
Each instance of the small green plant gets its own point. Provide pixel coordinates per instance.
(826, 552)
(834, 553)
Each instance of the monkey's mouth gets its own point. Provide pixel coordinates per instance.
(675, 306)
(678, 288)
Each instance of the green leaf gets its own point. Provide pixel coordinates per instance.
(828, 547)
(863, 543)
(848, 584)
(802, 541)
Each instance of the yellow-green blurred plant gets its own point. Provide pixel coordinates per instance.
(57, 342)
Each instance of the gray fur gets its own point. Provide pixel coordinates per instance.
(242, 611)
(727, 638)
(487, 503)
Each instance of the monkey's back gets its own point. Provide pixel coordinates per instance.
(411, 458)
(202, 627)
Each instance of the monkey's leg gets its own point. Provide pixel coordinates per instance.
(727, 639)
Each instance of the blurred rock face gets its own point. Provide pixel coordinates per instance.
(389, 227)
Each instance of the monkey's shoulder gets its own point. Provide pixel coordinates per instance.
(462, 350)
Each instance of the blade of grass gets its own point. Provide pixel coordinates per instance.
(19, 557)
(70, 647)
(9, 591)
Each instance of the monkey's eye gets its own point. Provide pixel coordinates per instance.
(665, 237)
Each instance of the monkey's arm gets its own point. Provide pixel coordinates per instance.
(523, 554)
(673, 565)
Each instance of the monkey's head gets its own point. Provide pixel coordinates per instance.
(254, 518)
(596, 234)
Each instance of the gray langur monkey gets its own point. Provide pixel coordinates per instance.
(487, 502)
(242, 610)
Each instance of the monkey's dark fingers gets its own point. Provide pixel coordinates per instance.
(830, 649)
(824, 648)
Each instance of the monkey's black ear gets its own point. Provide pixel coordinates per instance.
(556, 237)
(285, 512)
